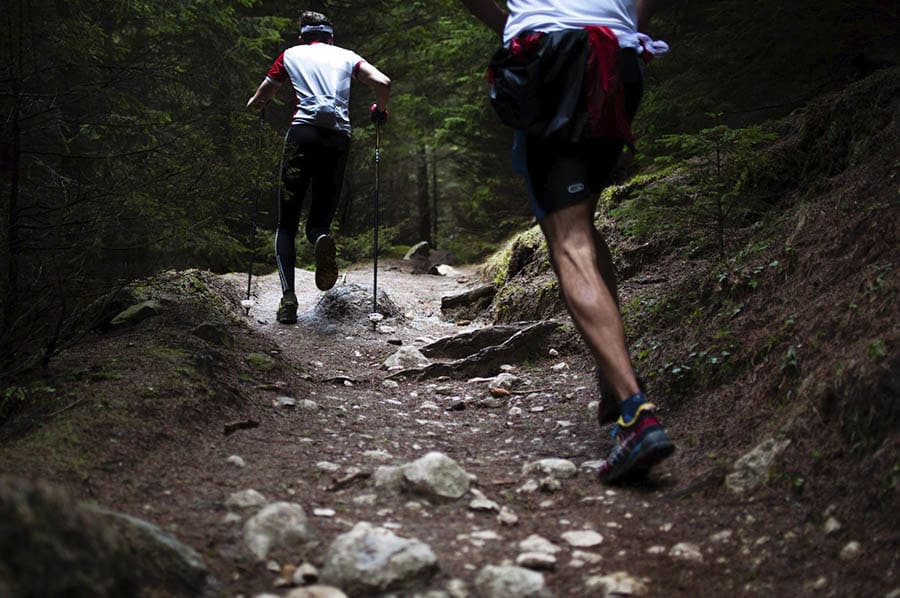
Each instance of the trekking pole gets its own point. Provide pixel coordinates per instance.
(247, 303)
(375, 244)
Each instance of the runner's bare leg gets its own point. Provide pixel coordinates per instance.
(581, 264)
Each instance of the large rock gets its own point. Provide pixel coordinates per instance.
(752, 469)
(436, 475)
(52, 545)
(348, 305)
(511, 582)
(372, 560)
(280, 525)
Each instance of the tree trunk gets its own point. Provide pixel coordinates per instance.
(422, 198)
(434, 200)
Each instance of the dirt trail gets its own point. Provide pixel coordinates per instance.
(680, 532)
(650, 530)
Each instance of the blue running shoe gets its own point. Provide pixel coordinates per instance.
(640, 444)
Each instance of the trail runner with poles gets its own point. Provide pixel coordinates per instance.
(568, 79)
(317, 144)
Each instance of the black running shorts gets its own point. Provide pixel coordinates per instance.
(559, 173)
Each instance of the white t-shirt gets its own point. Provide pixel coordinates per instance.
(321, 75)
(554, 15)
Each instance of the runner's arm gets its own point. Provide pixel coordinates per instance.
(645, 9)
(265, 92)
(488, 12)
(378, 81)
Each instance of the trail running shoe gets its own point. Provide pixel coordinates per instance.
(287, 309)
(608, 411)
(326, 265)
(640, 444)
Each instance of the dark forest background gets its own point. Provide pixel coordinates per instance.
(126, 148)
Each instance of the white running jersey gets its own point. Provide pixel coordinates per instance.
(321, 75)
(554, 15)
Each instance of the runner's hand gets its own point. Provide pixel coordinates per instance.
(379, 117)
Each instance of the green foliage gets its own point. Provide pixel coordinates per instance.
(703, 186)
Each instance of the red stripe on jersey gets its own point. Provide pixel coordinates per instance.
(356, 69)
(278, 72)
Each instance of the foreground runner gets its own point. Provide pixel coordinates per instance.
(317, 144)
(569, 80)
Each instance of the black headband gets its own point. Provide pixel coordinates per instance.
(317, 29)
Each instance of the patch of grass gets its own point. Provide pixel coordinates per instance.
(260, 361)
(877, 350)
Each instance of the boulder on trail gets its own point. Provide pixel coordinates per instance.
(436, 475)
(511, 582)
(348, 305)
(53, 545)
(752, 469)
(370, 560)
(280, 525)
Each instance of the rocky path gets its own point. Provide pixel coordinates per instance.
(381, 485)
(343, 476)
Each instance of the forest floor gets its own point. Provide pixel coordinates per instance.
(145, 437)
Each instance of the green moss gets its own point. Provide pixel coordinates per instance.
(260, 361)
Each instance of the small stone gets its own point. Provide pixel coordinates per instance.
(619, 583)
(390, 384)
(539, 561)
(317, 591)
(553, 352)
(557, 468)
(850, 551)
(507, 516)
(560, 367)
(832, 526)
(684, 551)
(378, 455)
(510, 582)
(246, 499)
(592, 466)
(528, 487)
(307, 405)
(481, 502)
(486, 535)
(722, 536)
(588, 557)
(515, 411)
(457, 589)
(365, 499)
(583, 538)
(406, 357)
(284, 402)
(505, 380)
(656, 550)
(536, 543)
(231, 519)
(328, 466)
(818, 585)
(550, 484)
(236, 460)
(327, 513)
